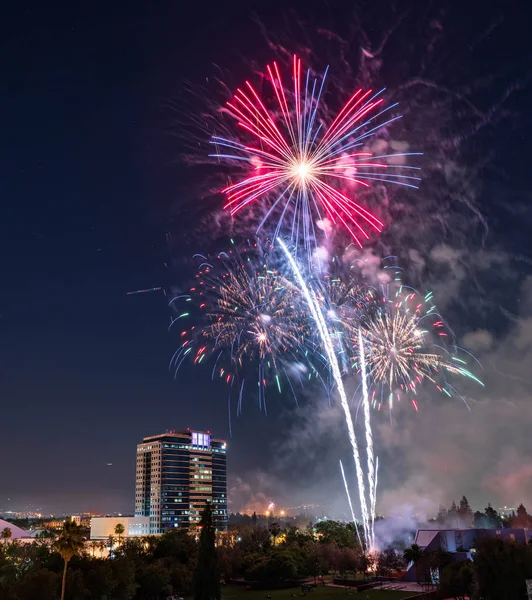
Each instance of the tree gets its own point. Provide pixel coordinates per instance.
(101, 547)
(333, 532)
(153, 580)
(457, 580)
(46, 538)
(206, 577)
(254, 519)
(100, 580)
(119, 532)
(479, 520)
(275, 530)
(464, 511)
(452, 514)
(442, 514)
(501, 569)
(69, 543)
(329, 557)
(229, 561)
(434, 562)
(94, 545)
(42, 584)
(313, 563)
(124, 576)
(493, 519)
(348, 560)
(388, 561)
(282, 565)
(255, 540)
(6, 534)
(413, 554)
(7, 591)
(177, 544)
(77, 590)
(522, 518)
(293, 536)
(366, 563)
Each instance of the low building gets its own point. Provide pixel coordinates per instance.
(54, 524)
(460, 543)
(82, 520)
(85, 522)
(15, 533)
(507, 512)
(103, 527)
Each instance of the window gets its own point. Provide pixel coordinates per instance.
(201, 439)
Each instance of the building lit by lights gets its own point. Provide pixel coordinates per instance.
(507, 511)
(102, 528)
(178, 473)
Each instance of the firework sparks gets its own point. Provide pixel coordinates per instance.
(328, 346)
(406, 344)
(369, 442)
(350, 503)
(252, 314)
(297, 163)
(245, 312)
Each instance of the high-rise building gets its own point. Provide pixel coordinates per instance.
(177, 474)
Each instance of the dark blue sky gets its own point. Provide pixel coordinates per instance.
(86, 190)
(89, 187)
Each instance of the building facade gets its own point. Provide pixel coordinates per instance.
(459, 544)
(177, 474)
(104, 527)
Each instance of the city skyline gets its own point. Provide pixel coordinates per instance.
(103, 198)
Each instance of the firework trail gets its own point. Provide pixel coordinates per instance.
(350, 503)
(342, 299)
(333, 363)
(374, 503)
(369, 441)
(296, 162)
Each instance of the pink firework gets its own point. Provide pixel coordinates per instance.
(298, 165)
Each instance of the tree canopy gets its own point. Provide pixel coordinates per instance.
(207, 575)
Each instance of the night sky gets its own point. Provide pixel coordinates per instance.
(91, 182)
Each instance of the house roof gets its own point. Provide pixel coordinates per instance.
(16, 532)
(425, 536)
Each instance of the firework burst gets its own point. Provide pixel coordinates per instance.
(407, 343)
(253, 314)
(303, 170)
(245, 313)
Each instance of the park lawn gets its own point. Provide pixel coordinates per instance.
(237, 592)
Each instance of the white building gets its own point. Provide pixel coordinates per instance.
(15, 533)
(103, 527)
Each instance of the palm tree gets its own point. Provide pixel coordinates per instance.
(6, 534)
(275, 530)
(69, 543)
(94, 545)
(101, 547)
(119, 531)
(414, 554)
